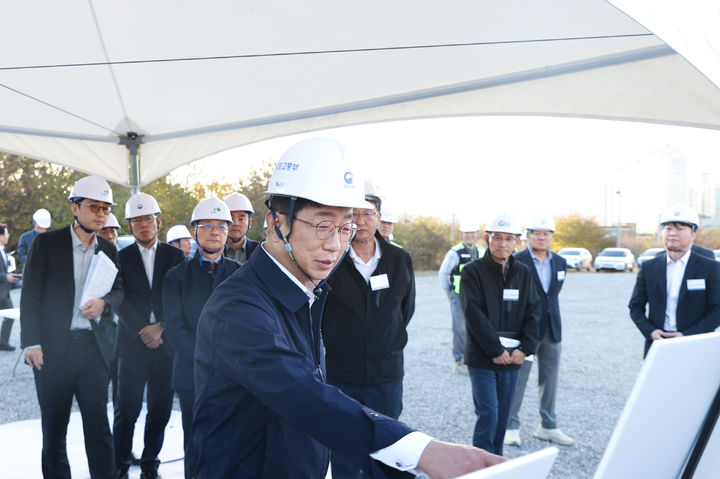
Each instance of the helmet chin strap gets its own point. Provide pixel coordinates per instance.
(317, 290)
(80, 225)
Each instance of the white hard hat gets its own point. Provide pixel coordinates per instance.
(112, 222)
(239, 202)
(680, 213)
(141, 204)
(319, 170)
(92, 187)
(504, 223)
(387, 213)
(211, 209)
(542, 223)
(469, 227)
(42, 218)
(177, 232)
(371, 196)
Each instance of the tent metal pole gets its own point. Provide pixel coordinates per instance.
(132, 142)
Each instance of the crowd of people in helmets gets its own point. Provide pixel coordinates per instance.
(286, 355)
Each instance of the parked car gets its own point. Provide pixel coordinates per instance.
(577, 258)
(649, 253)
(617, 259)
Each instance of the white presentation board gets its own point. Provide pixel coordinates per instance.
(532, 466)
(709, 465)
(666, 410)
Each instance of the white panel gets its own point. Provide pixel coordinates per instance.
(531, 466)
(666, 409)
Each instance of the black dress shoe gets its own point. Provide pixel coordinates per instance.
(123, 475)
(150, 475)
(6, 347)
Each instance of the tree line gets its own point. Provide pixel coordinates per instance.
(27, 185)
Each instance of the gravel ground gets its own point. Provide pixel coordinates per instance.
(598, 336)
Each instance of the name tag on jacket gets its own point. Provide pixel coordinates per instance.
(511, 294)
(380, 281)
(561, 275)
(696, 284)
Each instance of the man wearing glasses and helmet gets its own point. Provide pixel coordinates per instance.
(262, 407)
(69, 353)
(186, 289)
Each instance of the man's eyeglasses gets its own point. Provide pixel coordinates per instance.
(142, 220)
(211, 227)
(97, 208)
(326, 230)
(365, 214)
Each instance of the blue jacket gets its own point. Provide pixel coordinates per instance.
(187, 287)
(698, 308)
(550, 305)
(262, 409)
(24, 244)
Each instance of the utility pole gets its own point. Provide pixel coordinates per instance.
(619, 229)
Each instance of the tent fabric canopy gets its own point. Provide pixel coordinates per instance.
(196, 79)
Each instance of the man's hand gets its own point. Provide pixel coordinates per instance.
(34, 358)
(12, 278)
(660, 334)
(151, 335)
(517, 356)
(442, 460)
(93, 308)
(503, 360)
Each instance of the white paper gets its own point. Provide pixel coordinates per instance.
(509, 342)
(100, 278)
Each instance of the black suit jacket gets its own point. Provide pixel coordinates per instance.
(140, 299)
(48, 293)
(5, 287)
(698, 309)
(550, 321)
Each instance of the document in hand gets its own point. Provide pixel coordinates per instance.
(100, 278)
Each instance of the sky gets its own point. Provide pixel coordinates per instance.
(471, 169)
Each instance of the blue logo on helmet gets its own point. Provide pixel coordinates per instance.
(502, 223)
(348, 178)
(139, 206)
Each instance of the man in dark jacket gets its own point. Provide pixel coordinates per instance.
(677, 293)
(262, 407)
(142, 356)
(186, 289)
(68, 351)
(548, 274)
(364, 324)
(501, 310)
(239, 247)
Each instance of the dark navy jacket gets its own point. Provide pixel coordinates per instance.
(550, 305)
(262, 409)
(698, 309)
(24, 244)
(187, 287)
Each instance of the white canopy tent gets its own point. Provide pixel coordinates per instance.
(84, 83)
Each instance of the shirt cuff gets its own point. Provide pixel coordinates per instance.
(404, 454)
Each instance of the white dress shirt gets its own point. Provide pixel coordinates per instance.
(675, 271)
(366, 269)
(148, 258)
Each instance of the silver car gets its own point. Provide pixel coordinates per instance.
(577, 258)
(616, 259)
(649, 253)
